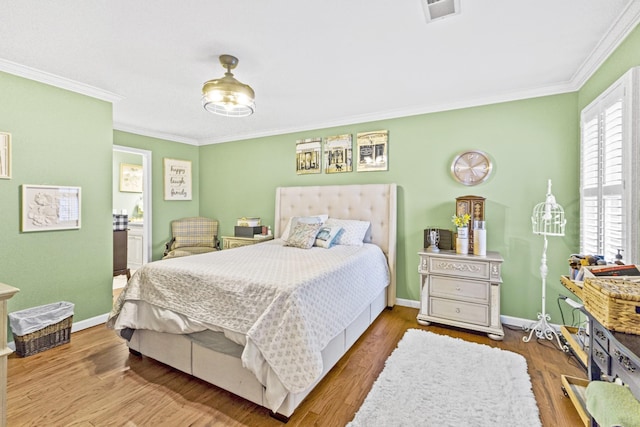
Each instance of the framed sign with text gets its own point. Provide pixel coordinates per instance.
(177, 179)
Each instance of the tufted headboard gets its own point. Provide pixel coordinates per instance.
(368, 202)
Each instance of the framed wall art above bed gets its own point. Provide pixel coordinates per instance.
(373, 151)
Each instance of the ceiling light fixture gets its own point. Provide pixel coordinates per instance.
(227, 96)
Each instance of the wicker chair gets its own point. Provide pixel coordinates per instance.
(192, 236)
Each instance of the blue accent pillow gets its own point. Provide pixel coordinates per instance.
(327, 236)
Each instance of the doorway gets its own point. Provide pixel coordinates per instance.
(135, 204)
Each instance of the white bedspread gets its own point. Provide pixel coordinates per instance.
(288, 302)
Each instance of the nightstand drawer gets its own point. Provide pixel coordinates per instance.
(460, 289)
(237, 242)
(460, 268)
(230, 244)
(460, 311)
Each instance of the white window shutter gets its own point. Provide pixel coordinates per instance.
(609, 181)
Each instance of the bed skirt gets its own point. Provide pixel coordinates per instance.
(226, 371)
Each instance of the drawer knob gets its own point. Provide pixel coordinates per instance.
(458, 288)
(600, 355)
(457, 310)
(600, 335)
(624, 361)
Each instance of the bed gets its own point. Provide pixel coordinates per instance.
(300, 309)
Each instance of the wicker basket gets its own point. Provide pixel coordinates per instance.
(615, 303)
(44, 339)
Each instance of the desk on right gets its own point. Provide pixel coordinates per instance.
(611, 355)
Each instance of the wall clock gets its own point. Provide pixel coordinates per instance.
(471, 167)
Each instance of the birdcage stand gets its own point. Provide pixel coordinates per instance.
(542, 328)
(547, 220)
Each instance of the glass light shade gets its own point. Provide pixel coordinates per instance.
(228, 97)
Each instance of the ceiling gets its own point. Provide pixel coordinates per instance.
(312, 64)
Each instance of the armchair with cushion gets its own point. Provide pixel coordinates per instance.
(192, 236)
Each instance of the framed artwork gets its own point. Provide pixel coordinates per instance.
(49, 207)
(5, 155)
(308, 156)
(130, 178)
(338, 154)
(177, 179)
(373, 151)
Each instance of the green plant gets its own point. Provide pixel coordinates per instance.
(461, 220)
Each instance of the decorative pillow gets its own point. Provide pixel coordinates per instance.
(327, 236)
(353, 233)
(303, 235)
(313, 219)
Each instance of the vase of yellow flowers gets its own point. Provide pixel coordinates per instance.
(462, 240)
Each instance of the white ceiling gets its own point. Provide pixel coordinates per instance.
(312, 64)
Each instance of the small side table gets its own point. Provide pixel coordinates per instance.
(229, 242)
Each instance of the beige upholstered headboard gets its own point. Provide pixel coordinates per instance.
(368, 202)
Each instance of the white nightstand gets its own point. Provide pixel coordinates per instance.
(461, 290)
(229, 242)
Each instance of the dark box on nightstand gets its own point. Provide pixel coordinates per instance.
(446, 239)
(247, 231)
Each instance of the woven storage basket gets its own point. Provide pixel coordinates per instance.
(44, 339)
(615, 303)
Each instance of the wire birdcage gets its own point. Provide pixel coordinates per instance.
(548, 217)
(547, 220)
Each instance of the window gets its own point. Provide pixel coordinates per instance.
(609, 180)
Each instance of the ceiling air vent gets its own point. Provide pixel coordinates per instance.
(439, 9)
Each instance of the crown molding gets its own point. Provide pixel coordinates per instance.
(154, 134)
(399, 113)
(620, 29)
(57, 81)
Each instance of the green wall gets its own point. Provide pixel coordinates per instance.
(530, 141)
(64, 138)
(626, 56)
(58, 138)
(164, 211)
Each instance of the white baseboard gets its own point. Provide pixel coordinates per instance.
(506, 320)
(89, 323)
(97, 320)
(408, 303)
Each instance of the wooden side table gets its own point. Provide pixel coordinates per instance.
(6, 292)
(461, 290)
(120, 254)
(229, 242)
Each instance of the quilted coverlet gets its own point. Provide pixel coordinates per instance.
(288, 302)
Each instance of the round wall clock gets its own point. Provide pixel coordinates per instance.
(471, 167)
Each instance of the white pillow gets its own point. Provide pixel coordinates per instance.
(312, 219)
(353, 232)
(327, 236)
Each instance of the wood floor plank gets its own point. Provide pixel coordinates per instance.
(93, 381)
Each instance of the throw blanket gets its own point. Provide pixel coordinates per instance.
(289, 302)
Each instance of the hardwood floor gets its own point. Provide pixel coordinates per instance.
(93, 381)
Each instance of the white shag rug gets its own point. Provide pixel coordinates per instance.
(435, 380)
